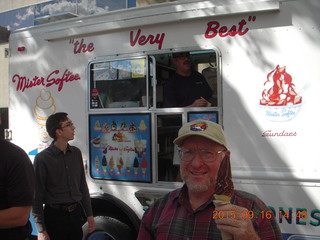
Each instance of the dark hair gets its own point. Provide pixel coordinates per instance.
(54, 122)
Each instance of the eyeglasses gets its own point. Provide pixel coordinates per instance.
(68, 125)
(208, 156)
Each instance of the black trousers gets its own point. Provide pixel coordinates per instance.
(63, 225)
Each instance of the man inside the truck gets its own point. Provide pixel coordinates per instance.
(186, 87)
(207, 206)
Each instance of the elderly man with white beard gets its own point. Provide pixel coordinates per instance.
(188, 212)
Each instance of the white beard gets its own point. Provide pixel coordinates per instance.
(197, 187)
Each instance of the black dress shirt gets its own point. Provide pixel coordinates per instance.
(60, 179)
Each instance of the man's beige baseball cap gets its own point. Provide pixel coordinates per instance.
(204, 128)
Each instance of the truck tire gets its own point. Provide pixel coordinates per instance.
(107, 228)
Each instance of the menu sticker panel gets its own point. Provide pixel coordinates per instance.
(120, 147)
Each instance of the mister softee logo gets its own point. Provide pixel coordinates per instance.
(56, 77)
(280, 101)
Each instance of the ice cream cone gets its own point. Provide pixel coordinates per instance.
(120, 164)
(144, 165)
(222, 198)
(104, 163)
(44, 107)
(226, 236)
(97, 162)
(219, 200)
(111, 164)
(128, 165)
(135, 165)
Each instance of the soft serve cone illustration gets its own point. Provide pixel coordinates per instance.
(44, 107)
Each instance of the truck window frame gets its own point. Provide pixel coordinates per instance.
(158, 68)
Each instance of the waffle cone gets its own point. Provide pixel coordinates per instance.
(221, 199)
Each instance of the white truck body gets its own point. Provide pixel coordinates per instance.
(273, 146)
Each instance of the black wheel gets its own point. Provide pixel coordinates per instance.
(108, 228)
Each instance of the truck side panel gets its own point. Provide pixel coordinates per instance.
(268, 67)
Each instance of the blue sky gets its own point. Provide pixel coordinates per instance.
(24, 17)
(18, 18)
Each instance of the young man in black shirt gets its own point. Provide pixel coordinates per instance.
(61, 185)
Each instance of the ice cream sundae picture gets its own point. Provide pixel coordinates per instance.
(123, 125)
(140, 146)
(119, 137)
(280, 101)
(132, 128)
(105, 128)
(120, 149)
(142, 126)
(104, 142)
(114, 125)
(96, 141)
(97, 126)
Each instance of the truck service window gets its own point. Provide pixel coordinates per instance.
(127, 88)
(179, 90)
(169, 120)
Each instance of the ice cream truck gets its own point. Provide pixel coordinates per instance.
(108, 72)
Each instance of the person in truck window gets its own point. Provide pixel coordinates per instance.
(16, 192)
(186, 87)
(207, 205)
(61, 185)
